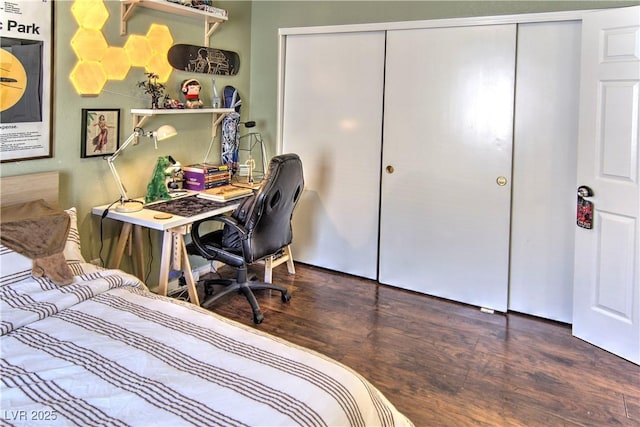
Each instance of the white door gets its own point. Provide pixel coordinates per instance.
(332, 117)
(446, 178)
(607, 258)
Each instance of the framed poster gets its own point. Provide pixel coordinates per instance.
(26, 55)
(100, 132)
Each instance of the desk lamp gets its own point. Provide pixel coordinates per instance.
(126, 204)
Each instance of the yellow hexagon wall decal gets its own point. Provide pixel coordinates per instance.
(89, 45)
(116, 63)
(98, 62)
(159, 38)
(138, 50)
(90, 14)
(88, 77)
(159, 65)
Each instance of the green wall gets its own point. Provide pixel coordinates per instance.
(252, 31)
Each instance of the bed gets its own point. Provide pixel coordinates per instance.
(103, 350)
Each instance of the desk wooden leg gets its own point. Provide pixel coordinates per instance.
(130, 234)
(174, 253)
(165, 262)
(188, 275)
(125, 235)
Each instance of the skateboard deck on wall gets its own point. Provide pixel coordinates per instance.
(206, 60)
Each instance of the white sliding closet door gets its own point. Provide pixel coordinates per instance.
(332, 117)
(445, 214)
(544, 169)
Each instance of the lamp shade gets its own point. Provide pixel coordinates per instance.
(165, 132)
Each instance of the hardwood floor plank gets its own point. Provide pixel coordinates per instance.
(448, 364)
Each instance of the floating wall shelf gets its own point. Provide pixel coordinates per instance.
(211, 20)
(140, 115)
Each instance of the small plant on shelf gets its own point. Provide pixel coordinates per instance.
(153, 88)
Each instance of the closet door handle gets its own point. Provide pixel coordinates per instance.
(389, 169)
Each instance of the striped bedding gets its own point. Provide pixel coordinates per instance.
(105, 351)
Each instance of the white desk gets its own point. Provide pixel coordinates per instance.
(174, 251)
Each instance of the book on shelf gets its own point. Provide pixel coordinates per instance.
(225, 193)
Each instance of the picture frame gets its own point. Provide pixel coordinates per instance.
(100, 132)
(26, 93)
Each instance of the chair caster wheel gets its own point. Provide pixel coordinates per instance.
(286, 297)
(258, 318)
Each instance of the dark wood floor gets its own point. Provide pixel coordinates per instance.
(448, 364)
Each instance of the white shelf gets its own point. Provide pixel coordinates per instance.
(160, 111)
(211, 20)
(140, 115)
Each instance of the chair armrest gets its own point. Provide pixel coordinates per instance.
(224, 219)
(228, 220)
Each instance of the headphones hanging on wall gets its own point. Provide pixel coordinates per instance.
(186, 83)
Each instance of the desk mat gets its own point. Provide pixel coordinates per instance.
(187, 206)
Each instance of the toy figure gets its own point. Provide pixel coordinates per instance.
(172, 104)
(191, 90)
(157, 188)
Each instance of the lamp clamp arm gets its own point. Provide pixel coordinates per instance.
(137, 132)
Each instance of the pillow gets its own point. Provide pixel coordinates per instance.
(72, 252)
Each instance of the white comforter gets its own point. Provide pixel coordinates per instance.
(105, 351)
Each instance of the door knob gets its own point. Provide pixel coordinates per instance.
(584, 191)
(501, 181)
(390, 169)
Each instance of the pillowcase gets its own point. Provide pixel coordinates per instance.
(72, 252)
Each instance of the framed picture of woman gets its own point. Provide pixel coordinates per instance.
(100, 132)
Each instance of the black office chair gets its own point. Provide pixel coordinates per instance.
(260, 227)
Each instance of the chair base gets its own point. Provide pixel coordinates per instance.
(246, 288)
